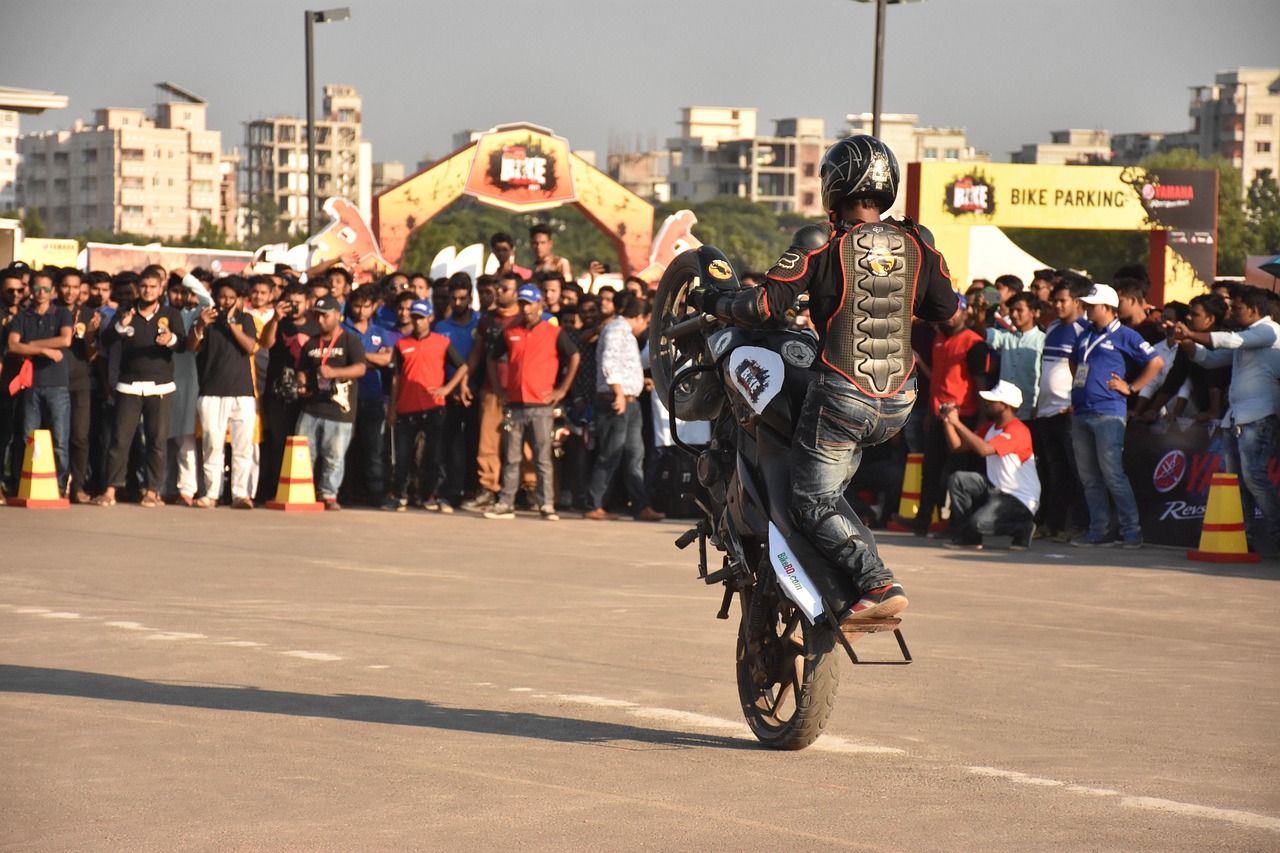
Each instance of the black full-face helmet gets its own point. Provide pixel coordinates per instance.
(859, 167)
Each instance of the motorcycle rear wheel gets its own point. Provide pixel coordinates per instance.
(788, 673)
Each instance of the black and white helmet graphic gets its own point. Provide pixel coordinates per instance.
(859, 167)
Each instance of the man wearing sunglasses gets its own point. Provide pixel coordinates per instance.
(13, 289)
(41, 332)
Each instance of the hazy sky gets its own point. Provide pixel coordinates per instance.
(596, 71)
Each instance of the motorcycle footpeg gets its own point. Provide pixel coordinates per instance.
(687, 538)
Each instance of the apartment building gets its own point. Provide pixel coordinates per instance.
(1238, 116)
(127, 171)
(275, 159)
(1068, 148)
(15, 103)
(718, 154)
(8, 159)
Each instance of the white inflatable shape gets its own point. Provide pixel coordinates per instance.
(440, 266)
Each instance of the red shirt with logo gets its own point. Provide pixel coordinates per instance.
(420, 364)
(533, 360)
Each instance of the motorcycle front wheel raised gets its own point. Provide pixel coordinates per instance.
(788, 673)
(698, 397)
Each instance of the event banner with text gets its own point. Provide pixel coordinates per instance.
(1181, 202)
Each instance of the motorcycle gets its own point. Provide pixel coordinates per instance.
(750, 383)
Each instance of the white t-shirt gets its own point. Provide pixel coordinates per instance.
(1012, 468)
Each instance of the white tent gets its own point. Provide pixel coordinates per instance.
(992, 254)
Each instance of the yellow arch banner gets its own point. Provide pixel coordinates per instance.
(521, 168)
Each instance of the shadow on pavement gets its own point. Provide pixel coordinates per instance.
(357, 708)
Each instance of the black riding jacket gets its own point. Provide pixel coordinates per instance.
(865, 282)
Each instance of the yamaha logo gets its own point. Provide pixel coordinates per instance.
(1169, 471)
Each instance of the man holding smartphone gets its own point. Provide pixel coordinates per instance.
(283, 337)
(226, 337)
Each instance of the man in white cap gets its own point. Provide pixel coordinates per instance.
(1111, 363)
(1004, 502)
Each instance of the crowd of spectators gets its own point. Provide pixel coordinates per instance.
(526, 391)
(520, 390)
(1055, 371)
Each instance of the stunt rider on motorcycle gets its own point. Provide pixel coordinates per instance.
(866, 278)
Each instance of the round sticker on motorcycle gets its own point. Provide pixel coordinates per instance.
(720, 270)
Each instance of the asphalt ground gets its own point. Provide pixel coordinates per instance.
(177, 679)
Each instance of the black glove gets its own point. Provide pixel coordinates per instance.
(703, 298)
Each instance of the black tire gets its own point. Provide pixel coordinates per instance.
(701, 397)
(787, 672)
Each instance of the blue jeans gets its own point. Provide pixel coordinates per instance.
(1248, 454)
(51, 405)
(329, 441)
(1099, 445)
(368, 439)
(836, 422)
(620, 442)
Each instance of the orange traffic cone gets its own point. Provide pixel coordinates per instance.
(1222, 536)
(909, 503)
(297, 491)
(38, 488)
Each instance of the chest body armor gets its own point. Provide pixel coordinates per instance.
(868, 338)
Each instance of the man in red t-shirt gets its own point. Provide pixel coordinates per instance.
(493, 324)
(1004, 502)
(959, 371)
(541, 362)
(417, 407)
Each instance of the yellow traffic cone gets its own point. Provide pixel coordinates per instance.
(297, 491)
(1222, 536)
(38, 488)
(909, 503)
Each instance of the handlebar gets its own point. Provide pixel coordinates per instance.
(693, 324)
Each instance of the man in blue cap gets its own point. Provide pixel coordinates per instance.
(541, 363)
(417, 407)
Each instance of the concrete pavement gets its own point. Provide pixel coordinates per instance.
(215, 680)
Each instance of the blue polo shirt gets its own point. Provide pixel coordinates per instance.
(1098, 354)
(461, 335)
(374, 338)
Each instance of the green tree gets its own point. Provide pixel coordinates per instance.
(1264, 211)
(32, 224)
(265, 224)
(98, 235)
(1098, 253)
(208, 236)
(1236, 239)
(751, 235)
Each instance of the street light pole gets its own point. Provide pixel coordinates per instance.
(311, 130)
(313, 18)
(878, 81)
(877, 85)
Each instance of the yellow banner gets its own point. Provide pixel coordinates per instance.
(40, 252)
(1013, 195)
